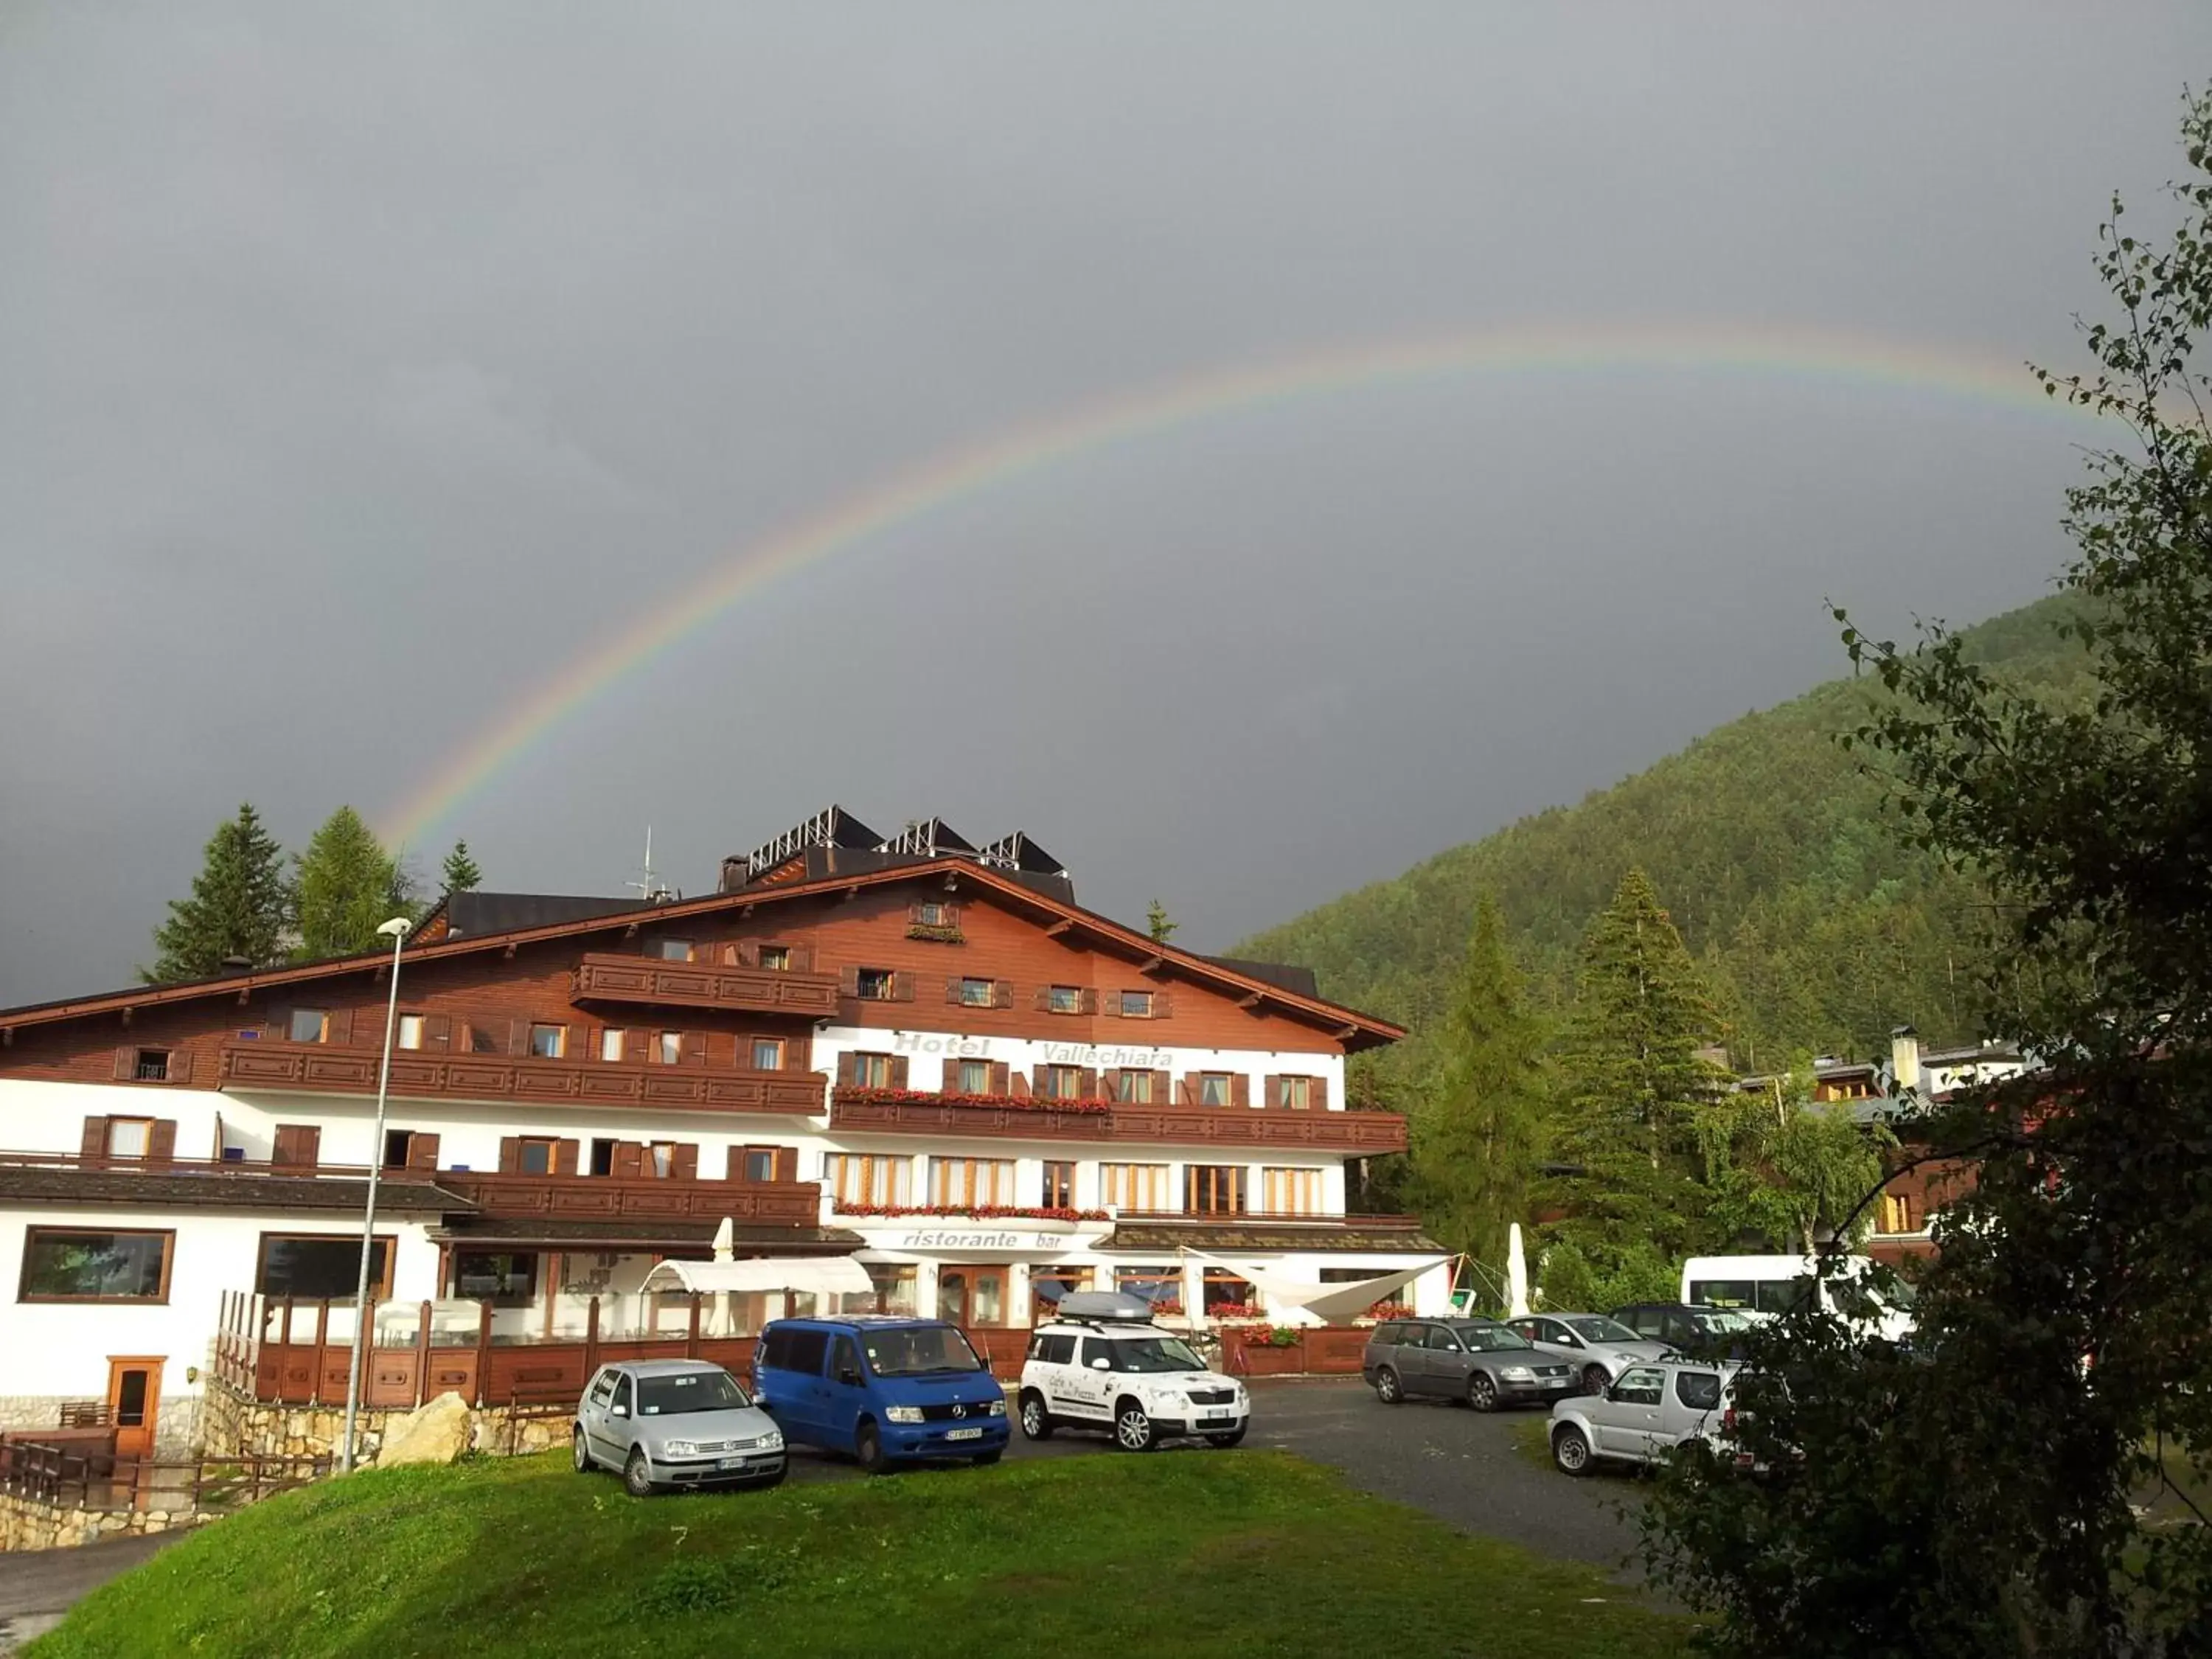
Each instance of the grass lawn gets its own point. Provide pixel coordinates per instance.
(1249, 1552)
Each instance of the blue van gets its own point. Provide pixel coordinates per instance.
(880, 1387)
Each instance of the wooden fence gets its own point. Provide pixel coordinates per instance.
(99, 1481)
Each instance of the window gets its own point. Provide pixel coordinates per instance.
(1699, 1390)
(973, 1076)
(483, 1040)
(603, 1391)
(153, 1065)
(1059, 1186)
(602, 1157)
(66, 1265)
(534, 1155)
(1064, 999)
(1645, 1386)
(871, 1071)
(1161, 1287)
(975, 1182)
(776, 957)
(310, 1025)
(1724, 1292)
(757, 1162)
(929, 914)
(976, 993)
(1134, 1186)
(668, 1047)
(1291, 1192)
(1057, 1349)
(794, 1348)
(661, 1159)
(767, 1053)
(409, 1148)
(671, 950)
(1295, 1092)
(868, 1178)
(1134, 1087)
(315, 1268)
(410, 1031)
(1214, 1088)
(875, 984)
(1896, 1214)
(549, 1041)
(894, 1282)
(1136, 1004)
(1780, 1295)
(623, 1396)
(503, 1278)
(1060, 1082)
(611, 1043)
(130, 1137)
(1213, 1188)
(1229, 1295)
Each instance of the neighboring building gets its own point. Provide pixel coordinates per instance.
(914, 1051)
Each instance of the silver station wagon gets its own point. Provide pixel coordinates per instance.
(1477, 1360)
(666, 1423)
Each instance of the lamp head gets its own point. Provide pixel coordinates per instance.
(395, 928)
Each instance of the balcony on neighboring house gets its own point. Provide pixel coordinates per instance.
(651, 982)
(606, 1198)
(896, 1112)
(316, 1068)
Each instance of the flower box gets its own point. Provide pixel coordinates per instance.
(972, 1211)
(869, 1097)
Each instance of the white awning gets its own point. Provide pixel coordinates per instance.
(1324, 1302)
(829, 1275)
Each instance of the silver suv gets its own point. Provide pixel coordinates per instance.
(1645, 1414)
(675, 1423)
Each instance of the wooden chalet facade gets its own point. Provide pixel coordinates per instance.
(914, 1051)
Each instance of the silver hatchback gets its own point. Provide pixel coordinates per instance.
(670, 1423)
(1600, 1349)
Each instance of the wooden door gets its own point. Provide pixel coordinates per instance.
(134, 1403)
(969, 1295)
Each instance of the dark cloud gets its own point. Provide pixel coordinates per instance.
(360, 367)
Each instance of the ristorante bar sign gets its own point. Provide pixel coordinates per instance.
(1052, 1054)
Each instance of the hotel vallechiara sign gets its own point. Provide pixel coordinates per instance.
(1053, 1053)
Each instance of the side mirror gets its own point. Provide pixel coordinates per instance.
(1101, 1363)
(619, 1411)
(849, 1377)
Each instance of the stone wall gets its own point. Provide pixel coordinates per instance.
(176, 1424)
(237, 1426)
(25, 1524)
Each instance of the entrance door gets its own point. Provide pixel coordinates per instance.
(134, 1403)
(972, 1295)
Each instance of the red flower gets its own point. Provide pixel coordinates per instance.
(974, 1212)
(995, 1102)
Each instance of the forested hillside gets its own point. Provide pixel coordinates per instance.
(1817, 930)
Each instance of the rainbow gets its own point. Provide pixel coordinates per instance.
(1851, 360)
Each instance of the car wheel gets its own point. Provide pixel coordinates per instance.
(984, 1460)
(1388, 1388)
(1224, 1442)
(1570, 1451)
(1037, 1421)
(1482, 1391)
(868, 1450)
(582, 1454)
(637, 1474)
(1595, 1381)
(1133, 1429)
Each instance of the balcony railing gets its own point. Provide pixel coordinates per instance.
(648, 981)
(1374, 1222)
(1362, 1133)
(604, 1198)
(314, 1068)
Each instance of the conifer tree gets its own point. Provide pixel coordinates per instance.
(460, 874)
(1158, 923)
(1476, 1138)
(346, 885)
(237, 908)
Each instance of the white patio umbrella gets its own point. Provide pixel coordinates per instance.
(725, 1238)
(1516, 1274)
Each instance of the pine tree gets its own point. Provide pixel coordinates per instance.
(237, 909)
(1634, 1092)
(1158, 923)
(345, 887)
(460, 874)
(1476, 1138)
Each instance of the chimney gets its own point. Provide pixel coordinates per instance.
(1904, 1058)
(238, 964)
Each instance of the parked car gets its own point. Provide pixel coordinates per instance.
(1686, 1327)
(1477, 1360)
(1645, 1414)
(1599, 1348)
(669, 1423)
(880, 1387)
(1100, 1365)
(1760, 1286)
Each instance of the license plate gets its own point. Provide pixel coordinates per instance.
(963, 1434)
(1217, 1417)
(733, 1463)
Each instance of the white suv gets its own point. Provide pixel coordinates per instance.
(1127, 1375)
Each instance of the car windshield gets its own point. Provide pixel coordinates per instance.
(1489, 1338)
(688, 1391)
(920, 1350)
(1597, 1329)
(1155, 1354)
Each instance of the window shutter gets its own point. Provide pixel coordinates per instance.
(1043, 999)
(564, 1157)
(687, 1160)
(279, 1025)
(1001, 1078)
(695, 1046)
(1240, 1089)
(748, 953)
(437, 1031)
(952, 990)
(1017, 1084)
(629, 1161)
(95, 1145)
(1270, 1089)
(510, 1154)
(1190, 1088)
(1002, 993)
(180, 1066)
(298, 1146)
(1087, 999)
(1163, 1087)
(898, 1071)
(517, 1037)
(1112, 1081)
(161, 1142)
(903, 986)
(638, 1046)
(1162, 1005)
(914, 915)
(126, 1064)
(1317, 1093)
(1109, 1004)
(847, 1068)
(848, 981)
(787, 1163)
(339, 1030)
(422, 1150)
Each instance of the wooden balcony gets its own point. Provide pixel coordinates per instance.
(650, 982)
(314, 1068)
(1364, 1133)
(603, 1198)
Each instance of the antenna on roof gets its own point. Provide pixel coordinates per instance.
(652, 890)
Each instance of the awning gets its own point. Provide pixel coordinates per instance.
(1324, 1302)
(820, 1276)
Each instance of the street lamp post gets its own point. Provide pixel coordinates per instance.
(397, 928)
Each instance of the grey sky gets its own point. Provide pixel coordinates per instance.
(360, 366)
